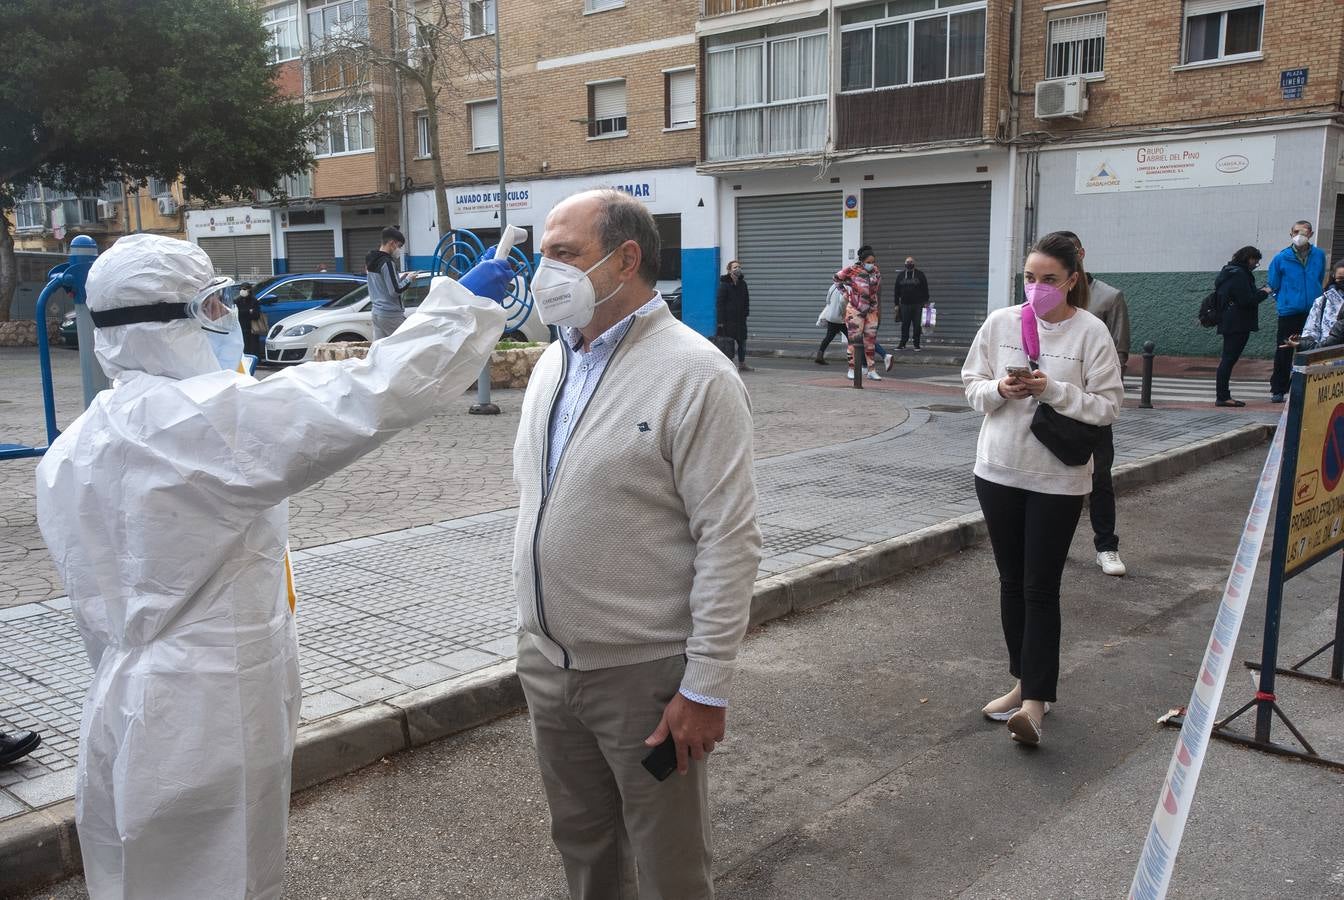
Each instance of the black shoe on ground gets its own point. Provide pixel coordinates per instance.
(1277, 398)
(821, 360)
(1228, 402)
(17, 746)
(743, 367)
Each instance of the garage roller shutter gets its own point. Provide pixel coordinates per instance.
(358, 243)
(306, 250)
(790, 249)
(245, 257)
(945, 227)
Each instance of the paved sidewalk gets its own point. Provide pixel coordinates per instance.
(383, 614)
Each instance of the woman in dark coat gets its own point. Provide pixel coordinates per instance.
(249, 311)
(1239, 301)
(734, 306)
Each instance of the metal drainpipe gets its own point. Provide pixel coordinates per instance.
(401, 119)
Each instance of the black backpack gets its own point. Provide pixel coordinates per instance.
(1210, 310)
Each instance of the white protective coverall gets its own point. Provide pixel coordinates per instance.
(164, 506)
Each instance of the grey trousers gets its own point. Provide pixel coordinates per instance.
(384, 325)
(609, 816)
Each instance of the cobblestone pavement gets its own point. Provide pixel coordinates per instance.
(387, 613)
(450, 466)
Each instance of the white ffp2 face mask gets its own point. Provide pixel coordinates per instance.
(564, 293)
(1300, 240)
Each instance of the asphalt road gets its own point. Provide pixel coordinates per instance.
(858, 766)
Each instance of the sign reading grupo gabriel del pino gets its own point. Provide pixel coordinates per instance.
(1316, 521)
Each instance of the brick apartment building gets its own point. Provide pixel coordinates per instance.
(596, 93)
(333, 214)
(1170, 133)
(787, 133)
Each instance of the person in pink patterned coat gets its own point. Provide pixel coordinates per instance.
(862, 284)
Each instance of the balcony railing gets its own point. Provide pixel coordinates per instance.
(724, 7)
(774, 130)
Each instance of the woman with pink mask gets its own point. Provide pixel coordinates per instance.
(1047, 352)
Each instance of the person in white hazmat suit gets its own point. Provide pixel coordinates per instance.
(164, 506)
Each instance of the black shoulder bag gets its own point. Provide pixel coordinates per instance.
(1073, 442)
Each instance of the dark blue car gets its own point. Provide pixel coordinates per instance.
(284, 295)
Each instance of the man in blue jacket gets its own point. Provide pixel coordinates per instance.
(1296, 276)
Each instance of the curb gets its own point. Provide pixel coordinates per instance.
(43, 846)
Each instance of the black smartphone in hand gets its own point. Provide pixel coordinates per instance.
(662, 760)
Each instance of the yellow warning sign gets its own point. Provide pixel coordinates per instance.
(1316, 525)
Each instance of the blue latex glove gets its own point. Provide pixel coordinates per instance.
(490, 278)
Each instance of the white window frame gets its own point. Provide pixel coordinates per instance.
(1081, 19)
(274, 23)
(608, 135)
(767, 103)
(493, 141)
(669, 124)
(422, 148)
(30, 209)
(358, 10)
(294, 187)
(489, 14)
(597, 6)
(1200, 10)
(345, 115)
(943, 12)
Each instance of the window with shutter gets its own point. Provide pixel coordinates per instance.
(680, 99)
(1077, 46)
(1222, 29)
(484, 125)
(422, 143)
(606, 109)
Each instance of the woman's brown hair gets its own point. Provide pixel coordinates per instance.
(1060, 247)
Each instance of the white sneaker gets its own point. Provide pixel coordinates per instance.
(872, 375)
(849, 376)
(1110, 562)
(890, 359)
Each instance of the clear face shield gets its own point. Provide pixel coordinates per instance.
(213, 306)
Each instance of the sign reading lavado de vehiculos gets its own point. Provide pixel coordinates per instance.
(1173, 165)
(475, 199)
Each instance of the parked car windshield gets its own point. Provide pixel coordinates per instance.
(410, 297)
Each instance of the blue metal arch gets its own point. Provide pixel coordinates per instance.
(460, 249)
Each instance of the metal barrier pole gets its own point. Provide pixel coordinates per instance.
(83, 251)
(857, 359)
(44, 358)
(1146, 392)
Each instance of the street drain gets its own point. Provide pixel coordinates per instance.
(946, 407)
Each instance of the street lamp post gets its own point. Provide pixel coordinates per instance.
(483, 406)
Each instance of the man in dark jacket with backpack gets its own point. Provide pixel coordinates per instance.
(1237, 309)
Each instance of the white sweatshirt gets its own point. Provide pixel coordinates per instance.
(1083, 382)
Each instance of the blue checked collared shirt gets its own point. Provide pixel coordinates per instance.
(583, 374)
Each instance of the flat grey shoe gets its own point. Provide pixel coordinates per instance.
(1007, 714)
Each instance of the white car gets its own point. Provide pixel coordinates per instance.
(350, 318)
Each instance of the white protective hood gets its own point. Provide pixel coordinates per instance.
(137, 270)
(165, 509)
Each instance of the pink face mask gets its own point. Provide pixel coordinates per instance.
(1044, 297)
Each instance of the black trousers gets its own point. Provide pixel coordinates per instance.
(741, 350)
(911, 314)
(1283, 358)
(1030, 533)
(1101, 506)
(1233, 344)
(833, 330)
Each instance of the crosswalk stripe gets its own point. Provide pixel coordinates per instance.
(1164, 388)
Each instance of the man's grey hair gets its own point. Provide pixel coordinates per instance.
(1303, 222)
(622, 218)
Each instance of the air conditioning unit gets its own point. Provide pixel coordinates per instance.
(1061, 98)
(167, 205)
(106, 211)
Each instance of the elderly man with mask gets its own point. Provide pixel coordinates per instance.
(165, 509)
(634, 558)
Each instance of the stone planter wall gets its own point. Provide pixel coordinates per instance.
(23, 333)
(508, 368)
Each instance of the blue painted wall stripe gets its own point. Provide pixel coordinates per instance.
(699, 287)
(280, 265)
